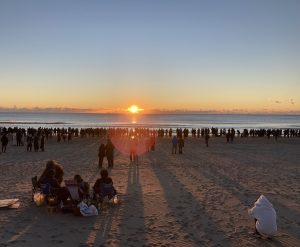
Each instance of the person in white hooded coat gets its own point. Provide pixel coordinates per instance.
(265, 217)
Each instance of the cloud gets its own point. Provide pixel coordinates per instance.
(45, 109)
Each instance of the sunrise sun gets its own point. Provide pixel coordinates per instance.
(134, 109)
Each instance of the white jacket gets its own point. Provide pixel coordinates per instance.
(265, 214)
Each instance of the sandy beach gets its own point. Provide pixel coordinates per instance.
(199, 198)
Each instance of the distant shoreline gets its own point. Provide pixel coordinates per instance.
(159, 113)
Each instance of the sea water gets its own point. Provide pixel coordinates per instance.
(93, 120)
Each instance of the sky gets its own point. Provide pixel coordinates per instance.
(102, 56)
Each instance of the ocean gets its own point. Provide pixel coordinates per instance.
(92, 120)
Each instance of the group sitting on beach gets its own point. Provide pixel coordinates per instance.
(50, 184)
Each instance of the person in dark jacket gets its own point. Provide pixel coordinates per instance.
(101, 155)
(42, 143)
(36, 143)
(104, 186)
(49, 182)
(110, 153)
(4, 142)
(59, 172)
(83, 187)
(180, 145)
(29, 143)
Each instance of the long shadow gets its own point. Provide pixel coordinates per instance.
(182, 213)
(12, 231)
(132, 226)
(246, 196)
(101, 230)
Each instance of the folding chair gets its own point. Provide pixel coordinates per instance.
(73, 188)
(106, 191)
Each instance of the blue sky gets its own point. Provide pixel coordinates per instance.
(198, 55)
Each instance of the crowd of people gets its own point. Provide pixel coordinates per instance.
(51, 180)
(36, 137)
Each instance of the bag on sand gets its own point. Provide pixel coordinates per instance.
(86, 210)
(39, 199)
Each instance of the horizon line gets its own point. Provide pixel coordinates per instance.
(148, 111)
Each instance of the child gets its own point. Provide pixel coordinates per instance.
(264, 216)
(83, 189)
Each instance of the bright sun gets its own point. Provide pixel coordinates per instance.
(134, 109)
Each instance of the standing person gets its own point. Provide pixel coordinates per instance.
(19, 137)
(174, 144)
(4, 142)
(133, 149)
(42, 143)
(110, 153)
(227, 136)
(232, 134)
(58, 136)
(36, 143)
(101, 155)
(69, 136)
(180, 145)
(152, 140)
(206, 138)
(29, 142)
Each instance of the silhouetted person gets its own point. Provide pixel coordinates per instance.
(36, 143)
(4, 142)
(206, 138)
(58, 137)
(42, 143)
(227, 136)
(59, 172)
(29, 143)
(152, 140)
(101, 155)
(19, 138)
(174, 144)
(180, 145)
(232, 134)
(69, 136)
(49, 177)
(110, 153)
(133, 149)
(102, 184)
(83, 187)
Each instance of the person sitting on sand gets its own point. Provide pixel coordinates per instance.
(59, 172)
(49, 178)
(104, 186)
(83, 187)
(50, 185)
(264, 217)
